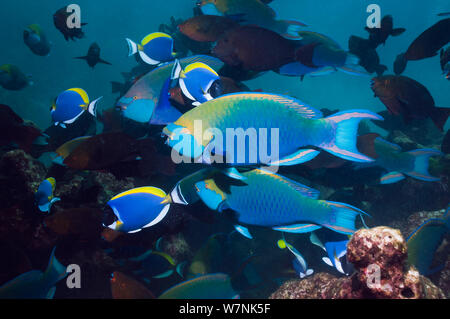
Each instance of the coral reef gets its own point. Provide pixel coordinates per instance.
(379, 256)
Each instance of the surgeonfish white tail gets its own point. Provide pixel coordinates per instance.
(132, 47)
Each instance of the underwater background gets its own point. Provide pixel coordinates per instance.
(259, 266)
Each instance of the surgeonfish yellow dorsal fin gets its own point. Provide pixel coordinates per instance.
(152, 36)
(197, 65)
(83, 95)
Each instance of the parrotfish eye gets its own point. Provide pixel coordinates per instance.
(216, 89)
(135, 97)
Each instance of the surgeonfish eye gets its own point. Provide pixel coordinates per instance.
(216, 89)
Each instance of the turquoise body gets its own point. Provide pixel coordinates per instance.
(270, 200)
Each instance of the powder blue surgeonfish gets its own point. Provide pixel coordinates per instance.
(147, 101)
(211, 286)
(265, 199)
(44, 195)
(35, 284)
(399, 164)
(138, 208)
(70, 105)
(299, 262)
(198, 82)
(336, 250)
(294, 125)
(155, 48)
(425, 240)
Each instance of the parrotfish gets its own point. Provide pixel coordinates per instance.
(35, 284)
(253, 12)
(398, 163)
(154, 49)
(298, 125)
(426, 45)
(368, 56)
(44, 195)
(36, 40)
(138, 208)
(263, 198)
(125, 287)
(207, 28)
(93, 56)
(147, 101)
(405, 96)
(70, 105)
(425, 240)
(12, 78)
(210, 286)
(60, 19)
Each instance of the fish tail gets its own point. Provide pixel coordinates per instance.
(439, 115)
(291, 28)
(55, 270)
(132, 47)
(92, 107)
(344, 217)
(346, 132)
(420, 170)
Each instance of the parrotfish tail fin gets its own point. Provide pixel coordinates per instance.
(351, 59)
(345, 216)
(291, 28)
(346, 133)
(165, 113)
(92, 107)
(420, 170)
(55, 270)
(352, 66)
(439, 115)
(400, 64)
(132, 47)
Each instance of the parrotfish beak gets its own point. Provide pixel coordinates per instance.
(182, 141)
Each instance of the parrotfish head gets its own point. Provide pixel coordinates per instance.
(31, 37)
(136, 107)
(211, 194)
(181, 140)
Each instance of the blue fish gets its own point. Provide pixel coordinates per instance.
(154, 49)
(425, 240)
(336, 250)
(198, 82)
(138, 208)
(44, 195)
(35, 284)
(70, 105)
(299, 262)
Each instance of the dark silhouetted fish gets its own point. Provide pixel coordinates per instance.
(93, 56)
(60, 21)
(35, 39)
(445, 62)
(206, 28)
(125, 287)
(426, 45)
(368, 56)
(14, 130)
(12, 78)
(379, 36)
(404, 96)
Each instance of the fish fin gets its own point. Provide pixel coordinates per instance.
(160, 217)
(132, 47)
(303, 189)
(298, 228)
(62, 125)
(82, 57)
(164, 112)
(400, 63)
(51, 293)
(309, 272)
(164, 274)
(344, 145)
(391, 178)
(327, 261)
(316, 241)
(134, 231)
(103, 61)
(55, 271)
(344, 217)
(212, 62)
(92, 107)
(353, 69)
(180, 268)
(291, 27)
(243, 231)
(397, 31)
(232, 172)
(176, 70)
(301, 156)
(439, 115)
(420, 170)
(323, 71)
(392, 146)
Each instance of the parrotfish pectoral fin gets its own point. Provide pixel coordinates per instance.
(391, 178)
(353, 70)
(243, 231)
(420, 170)
(232, 172)
(346, 133)
(92, 107)
(164, 112)
(132, 47)
(298, 228)
(301, 156)
(344, 217)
